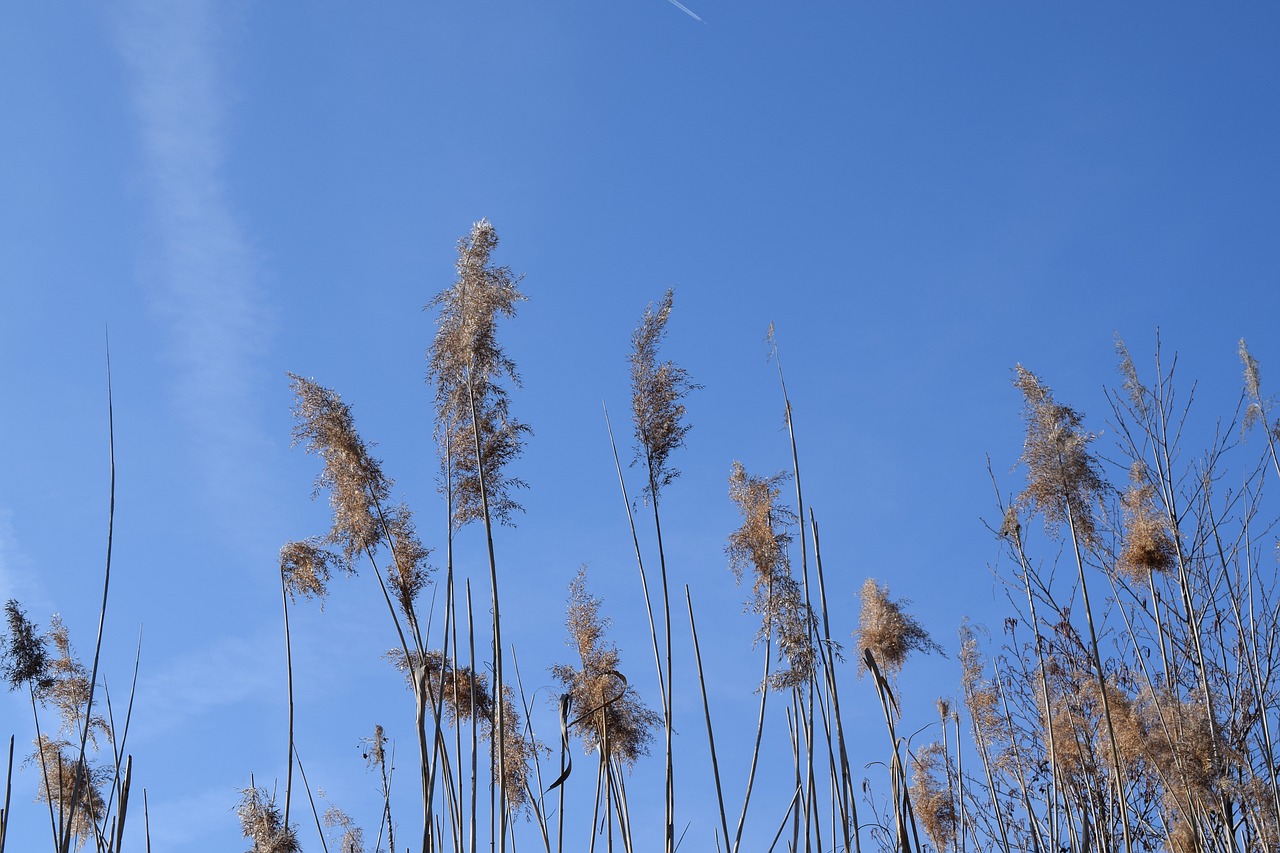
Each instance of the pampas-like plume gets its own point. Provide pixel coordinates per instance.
(261, 821)
(1148, 546)
(352, 838)
(931, 796)
(24, 657)
(657, 390)
(1064, 482)
(760, 545)
(467, 364)
(610, 716)
(356, 484)
(66, 779)
(887, 631)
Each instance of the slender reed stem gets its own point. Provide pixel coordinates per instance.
(706, 707)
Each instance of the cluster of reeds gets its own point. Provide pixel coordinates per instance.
(1130, 707)
(84, 774)
(1129, 703)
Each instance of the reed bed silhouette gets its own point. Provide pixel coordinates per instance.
(1129, 701)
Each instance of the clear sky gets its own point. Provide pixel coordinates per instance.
(918, 195)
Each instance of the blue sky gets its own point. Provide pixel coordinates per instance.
(919, 196)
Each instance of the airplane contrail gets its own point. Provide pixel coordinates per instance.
(686, 10)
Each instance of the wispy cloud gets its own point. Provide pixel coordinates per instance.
(227, 672)
(17, 577)
(203, 269)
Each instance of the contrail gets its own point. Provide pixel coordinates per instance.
(686, 10)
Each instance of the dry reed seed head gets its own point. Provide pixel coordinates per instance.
(1132, 385)
(351, 839)
(657, 390)
(1148, 544)
(1255, 793)
(887, 631)
(760, 545)
(24, 656)
(502, 440)
(521, 750)
(262, 822)
(466, 364)
(609, 715)
(982, 697)
(375, 748)
(1011, 525)
(1259, 408)
(306, 569)
(1179, 741)
(1064, 482)
(464, 693)
(932, 797)
(409, 569)
(63, 778)
(354, 479)
(69, 686)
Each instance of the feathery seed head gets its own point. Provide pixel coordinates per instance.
(981, 696)
(760, 545)
(375, 754)
(354, 479)
(1132, 385)
(65, 778)
(465, 693)
(1148, 544)
(1064, 482)
(521, 749)
(467, 364)
(261, 821)
(931, 795)
(409, 570)
(305, 567)
(352, 838)
(657, 392)
(68, 685)
(24, 657)
(1259, 408)
(887, 631)
(609, 716)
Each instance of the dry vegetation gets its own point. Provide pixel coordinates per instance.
(1130, 702)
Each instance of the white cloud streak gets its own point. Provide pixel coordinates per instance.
(206, 278)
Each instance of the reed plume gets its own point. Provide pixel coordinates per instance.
(609, 716)
(261, 821)
(1148, 546)
(1064, 481)
(357, 487)
(66, 779)
(760, 546)
(657, 393)
(932, 797)
(24, 655)
(887, 631)
(467, 364)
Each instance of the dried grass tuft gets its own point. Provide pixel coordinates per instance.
(1064, 481)
(609, 715)
(760, 546)
(887, 631)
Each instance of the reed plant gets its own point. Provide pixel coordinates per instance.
(1128, 701)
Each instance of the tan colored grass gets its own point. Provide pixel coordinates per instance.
(887, 631)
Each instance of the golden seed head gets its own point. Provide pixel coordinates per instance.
(607, 714)
(1064, 481)
(466, 363)
(657, 392)
(887, 631)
